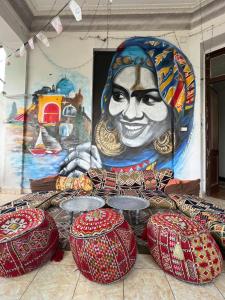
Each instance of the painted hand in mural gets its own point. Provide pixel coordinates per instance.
(80, 160)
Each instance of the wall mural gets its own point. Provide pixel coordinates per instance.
(146, 111)
(146, 116)
(55, 122)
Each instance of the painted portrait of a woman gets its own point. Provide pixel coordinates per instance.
(146, 111)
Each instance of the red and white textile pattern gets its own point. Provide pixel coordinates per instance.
(103, 245)
(28, 239)
(183, 248)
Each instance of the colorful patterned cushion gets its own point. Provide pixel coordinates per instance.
(177, 186)
(102, 179)
(69, 183)
(216, 225)
(103, 245)
(158, 199)
(40, 200)
(191, 205)
(138, 180)
(183, 248)
(162, 177)
(28, 239)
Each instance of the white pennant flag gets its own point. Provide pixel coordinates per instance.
(43, 38)
(57, 24)
(76, 10)
(31, 43)
(22, 50)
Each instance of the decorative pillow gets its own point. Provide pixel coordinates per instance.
(158, 199)
(107, 180)
(102, 179)
(70, 183)
(177, 186)
(43, 184)
(34, 200)
(192, 205)
(162, 177)
(136, 180)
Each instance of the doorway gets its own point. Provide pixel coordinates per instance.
(215, 124)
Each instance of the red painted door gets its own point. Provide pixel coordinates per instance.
(51, 113)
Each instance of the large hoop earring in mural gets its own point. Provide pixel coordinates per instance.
(166, 143)
(107, 139)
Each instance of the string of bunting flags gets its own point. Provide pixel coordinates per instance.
(56, 24)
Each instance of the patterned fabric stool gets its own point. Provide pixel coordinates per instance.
(28, 239)
(103, 245)
(183, 248)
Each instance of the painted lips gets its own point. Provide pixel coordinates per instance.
(132, 130)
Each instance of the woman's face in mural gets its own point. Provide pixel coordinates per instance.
(138, 111)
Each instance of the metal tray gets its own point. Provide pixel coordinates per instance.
(82, 203)
(128, 203)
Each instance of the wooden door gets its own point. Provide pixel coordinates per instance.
(213, 140)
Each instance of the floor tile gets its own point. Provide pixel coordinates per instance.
(53, 282)
(187, 291)
(146, 284)
(145, 261)
(13, 288)
(220, 283)
(87, 290)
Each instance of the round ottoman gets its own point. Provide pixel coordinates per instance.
(28, 239)
(103, 245)
(183, 248)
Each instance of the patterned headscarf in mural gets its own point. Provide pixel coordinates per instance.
(176, 85)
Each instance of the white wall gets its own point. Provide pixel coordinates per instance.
(15, 78)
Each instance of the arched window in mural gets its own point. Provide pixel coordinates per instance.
(2, 67)
(69, 111)
(51, 113)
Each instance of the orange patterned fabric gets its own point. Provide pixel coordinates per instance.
(69, 183)
(183, 248)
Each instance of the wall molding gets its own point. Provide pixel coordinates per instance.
(139, 20)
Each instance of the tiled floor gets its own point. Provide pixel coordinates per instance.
(62, 281)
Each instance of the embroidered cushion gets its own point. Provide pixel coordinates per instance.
(103, 245)
(28, 239)
(192, 205)
(40, 200)
(216, 225)
(162, 177)
(177, 186)
(69, 183)
(138, 180)
(183, 248)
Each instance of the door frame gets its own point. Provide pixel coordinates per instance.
(208, 82)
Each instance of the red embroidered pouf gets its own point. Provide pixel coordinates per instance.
(103, 245)
(183, 248)
(28, 239)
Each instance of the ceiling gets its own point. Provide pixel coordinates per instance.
(116, 15)
(51, 7)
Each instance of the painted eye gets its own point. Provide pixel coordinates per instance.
(150, 99)
(118, 96)
(147, 99)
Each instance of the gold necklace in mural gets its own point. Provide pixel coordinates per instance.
(107, 140)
